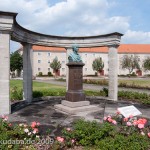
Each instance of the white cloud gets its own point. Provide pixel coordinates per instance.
(136, 37)
(73, 18)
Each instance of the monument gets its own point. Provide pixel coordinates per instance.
(75, 98)
(75, 87)
(10, 29)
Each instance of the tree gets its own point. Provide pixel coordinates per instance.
(146, 64)
(16, 62)
(98, 64)
(130, 62)
(55, 65)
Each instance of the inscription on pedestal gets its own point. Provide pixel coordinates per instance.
(75, 88)
(78, 78)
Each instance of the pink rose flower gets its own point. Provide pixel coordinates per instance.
(109, 116)
(5, 118)
(37, 123)
(72, 141)
(35, 130)
(110, 120)
(125, 119)
(135, 122)
(129, 123)
(60, 139)
(105, 118)
(114, 122)
(140, 126)
(118, 112)
(33, 124)
(68, 129)
(148, 134)
(142, 121)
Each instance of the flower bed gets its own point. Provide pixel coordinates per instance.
(17, 136)
(115, 133)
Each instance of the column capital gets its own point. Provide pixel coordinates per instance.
(25, 43)
(6, 22)
(68, 48)
(113, 45)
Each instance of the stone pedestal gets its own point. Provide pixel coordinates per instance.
(75, 86)
(75, 98)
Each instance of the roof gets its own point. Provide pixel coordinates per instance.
(123, 48)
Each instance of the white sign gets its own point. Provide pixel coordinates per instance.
(129, 110)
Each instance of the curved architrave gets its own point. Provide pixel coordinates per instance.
(21, 34)
(18, 33)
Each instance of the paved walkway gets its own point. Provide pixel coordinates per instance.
(92, 86)
(44, 112)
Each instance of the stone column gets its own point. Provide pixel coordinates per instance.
(113, 72)
(27, 72)
(69, 50)
(5, 73)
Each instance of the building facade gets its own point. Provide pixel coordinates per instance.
(43, 56)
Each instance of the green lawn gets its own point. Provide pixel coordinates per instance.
(36, 85)
(43, 89)
(127, 82)
(46, 89)
(140, 82)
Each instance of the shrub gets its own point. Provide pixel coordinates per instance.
(16, 94)
(49, 74)
(105, 91)
(99, 82)
(22, 133)
(40, 74)
(115, 133)
(88, 133)
(135, 96)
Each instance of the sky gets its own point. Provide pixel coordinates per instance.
(83, 17)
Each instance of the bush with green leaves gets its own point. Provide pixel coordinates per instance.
(98, 64)
(130, 62)
(11, 134)
(107, 135)
(146, 64)
(55, 65)
(40, 74)
(49, 74)
(143, 98)
(16, 94)
(88, 133)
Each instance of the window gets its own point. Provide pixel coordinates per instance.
(85, 69)
(48, 69)
(63, 69)
(63, 62)
(85, 55)
(94, 55)
(49, 61)
(49, 54)
(39, 69)
(39, 54)
(39, 61)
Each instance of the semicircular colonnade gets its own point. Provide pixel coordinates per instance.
(11, 30)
